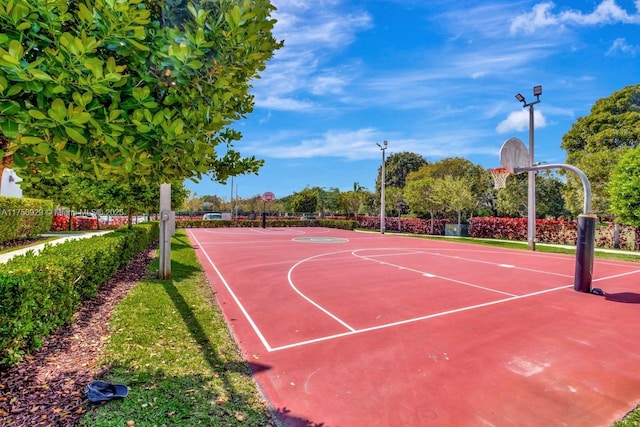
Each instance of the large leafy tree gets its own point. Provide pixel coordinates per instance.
(397, 167)
(421, 197)
(305, 201)
(350, 201)
(76, 192)
(477, 179)
(625, 188)
(454, 195)
(129, 89)
(596, 142)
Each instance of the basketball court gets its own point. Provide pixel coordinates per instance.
(344, 328)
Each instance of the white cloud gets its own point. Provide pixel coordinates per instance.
(351, 144)
(542, 16)
(621, 45)
(312, 33)
(284, 104)
(519, 121)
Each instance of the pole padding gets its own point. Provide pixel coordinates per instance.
(585, 252)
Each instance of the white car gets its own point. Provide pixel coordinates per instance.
(211, 216)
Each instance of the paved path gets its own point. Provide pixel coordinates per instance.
(61, 238)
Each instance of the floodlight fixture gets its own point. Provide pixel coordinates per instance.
(537, 90)
(520, 97)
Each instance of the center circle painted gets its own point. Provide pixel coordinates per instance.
(320, 240)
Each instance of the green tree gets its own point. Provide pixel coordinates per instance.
(133, 90)
(477, 177)
(512, 200)
(394, 201)
(397, 167)
(306, 201)
(79, 193)
(624, 188)
(370, 203)
(350, 201)
(454, 195)
(420, 195)
(327, 199)
(595, 143)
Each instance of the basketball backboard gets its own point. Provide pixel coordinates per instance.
(514, 154)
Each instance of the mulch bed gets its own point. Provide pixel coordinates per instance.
(21, 242)
(47, 388)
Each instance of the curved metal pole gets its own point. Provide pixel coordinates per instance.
(586, 232)
(585, 181)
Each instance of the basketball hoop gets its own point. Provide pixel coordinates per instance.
(500, 176)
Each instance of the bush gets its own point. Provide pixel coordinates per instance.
(563, 232)
(39, 293)
(61, 223)
(405, 225)
(22, 218)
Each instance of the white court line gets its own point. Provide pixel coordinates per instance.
(235, 298)
(318, 306)
(415, 319)
(479, 261)
(617, 275)
(427, 274)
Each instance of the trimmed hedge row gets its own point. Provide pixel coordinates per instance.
(557, 231)
(22, 218)
(405, 225)
(39, 293)
(331, 223)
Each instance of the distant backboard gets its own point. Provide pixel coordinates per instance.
(514, 154)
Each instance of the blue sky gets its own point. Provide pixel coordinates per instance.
(433, 77)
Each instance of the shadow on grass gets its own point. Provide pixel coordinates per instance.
(211, 355)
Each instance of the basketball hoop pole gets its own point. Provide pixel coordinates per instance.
(585, 244)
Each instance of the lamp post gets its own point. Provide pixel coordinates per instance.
(531, 219)
(383, 147)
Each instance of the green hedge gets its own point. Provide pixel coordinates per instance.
(24, 218)
(331, 223)
(41, 292)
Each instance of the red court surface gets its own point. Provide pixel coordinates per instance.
(344, 328)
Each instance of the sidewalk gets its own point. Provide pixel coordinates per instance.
(61, 238)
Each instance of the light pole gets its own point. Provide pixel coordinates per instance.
(383, 147)
(531, 219)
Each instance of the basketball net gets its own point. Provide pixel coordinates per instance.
(500, 176)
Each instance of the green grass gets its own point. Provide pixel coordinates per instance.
(631, 420)
(170, 344)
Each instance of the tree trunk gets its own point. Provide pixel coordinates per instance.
(130, 218)
(616, 235)
(431, 231)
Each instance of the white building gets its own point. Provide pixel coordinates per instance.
(10, 186)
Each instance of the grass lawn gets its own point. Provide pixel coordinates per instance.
(170, 344)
